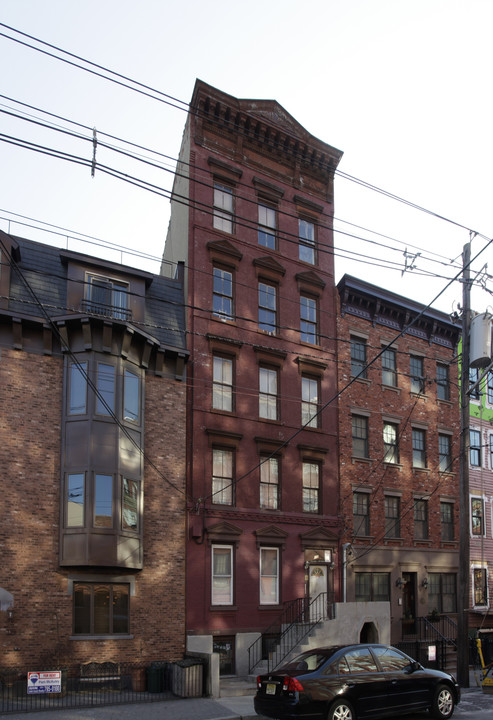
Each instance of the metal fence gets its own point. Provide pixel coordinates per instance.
(97, 684)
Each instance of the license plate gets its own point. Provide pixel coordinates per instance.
(270, 689)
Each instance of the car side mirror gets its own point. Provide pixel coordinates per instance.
(412, 667)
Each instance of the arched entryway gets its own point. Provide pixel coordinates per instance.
(369, 633)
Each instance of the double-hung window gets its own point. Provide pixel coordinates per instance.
(474, 389)
(105, 383)
(480, 586)
(421, 519)
(417, 375)
(477, 517)
(269, 483)
(442, 592)
(77, 404)
(372, 587)
(268, 393)
(443, 382)
(360, 436)
(308, 320)
(419, 448)
(475, 448)
(392, 516)
(445, 453)
(223, 207)
(389, 367)
(107, 297)
(306, 241)
(358, 357)
(101, 608)
(267, 307)
(222, 293)
(222, 383)
(391, 443)
(311, 487)
(447, 521)
(222, 575)
(309, 402)
(361, 513)
(267, 226)
(222, 476)
(269, 576)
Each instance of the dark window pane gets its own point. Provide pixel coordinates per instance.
(131, 396)
(82, 609)
(101, 610)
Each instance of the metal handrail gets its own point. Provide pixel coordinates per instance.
(296, 621)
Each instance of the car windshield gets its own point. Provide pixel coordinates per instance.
(307, 661)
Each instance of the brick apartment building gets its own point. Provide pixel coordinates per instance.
(481, 497)
(251, 219)
(399, 434)
(92, 450)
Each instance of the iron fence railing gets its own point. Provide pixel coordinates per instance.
(296, 621)
(98, 684)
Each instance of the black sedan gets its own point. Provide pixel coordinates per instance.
(352, 682)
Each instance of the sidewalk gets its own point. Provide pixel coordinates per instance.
(474, 705)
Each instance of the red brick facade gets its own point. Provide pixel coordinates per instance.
(416, 550)
(37, 626)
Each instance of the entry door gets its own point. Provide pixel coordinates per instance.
(409, 600)
(317, 584)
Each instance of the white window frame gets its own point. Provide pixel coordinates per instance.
(267, 225)
(472, 497)
(223, 218)
(274, 598)
(222, 383)
(269, 483)
(228, 576)
(268, 393)
(479, 566)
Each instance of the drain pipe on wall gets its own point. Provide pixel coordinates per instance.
(347, 550)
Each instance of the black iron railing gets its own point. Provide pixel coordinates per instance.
(98, 684)
(296, 621)
(107, 311)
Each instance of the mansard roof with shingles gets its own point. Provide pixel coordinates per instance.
(38, 289)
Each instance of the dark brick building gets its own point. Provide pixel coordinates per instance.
(92, 450)
(251, 218)
(399, 429)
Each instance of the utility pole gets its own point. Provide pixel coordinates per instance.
(464, 575)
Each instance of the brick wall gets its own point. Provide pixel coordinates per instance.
(39, 634)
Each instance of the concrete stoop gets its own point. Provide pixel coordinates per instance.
(237, 686)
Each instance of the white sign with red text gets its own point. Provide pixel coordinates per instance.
(44, 682)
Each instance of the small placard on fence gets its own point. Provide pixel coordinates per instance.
(44, 682)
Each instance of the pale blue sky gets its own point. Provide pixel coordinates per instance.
(403, 88)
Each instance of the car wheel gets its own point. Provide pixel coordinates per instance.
(341, 710)
(443, 703)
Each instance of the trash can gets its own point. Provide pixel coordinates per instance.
(156, 677)
(188, 678)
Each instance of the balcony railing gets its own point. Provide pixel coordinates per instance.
(107, 311)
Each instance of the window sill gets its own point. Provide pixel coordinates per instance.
(397, 466)
(441, 401)
(357, 459)
(274, 606)
(422, 543)
(449, 544)
(389, 540)
(223, 608)
(392, 388)
(365, 381)
(418, 395)
(102, 637)
(418, 470)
